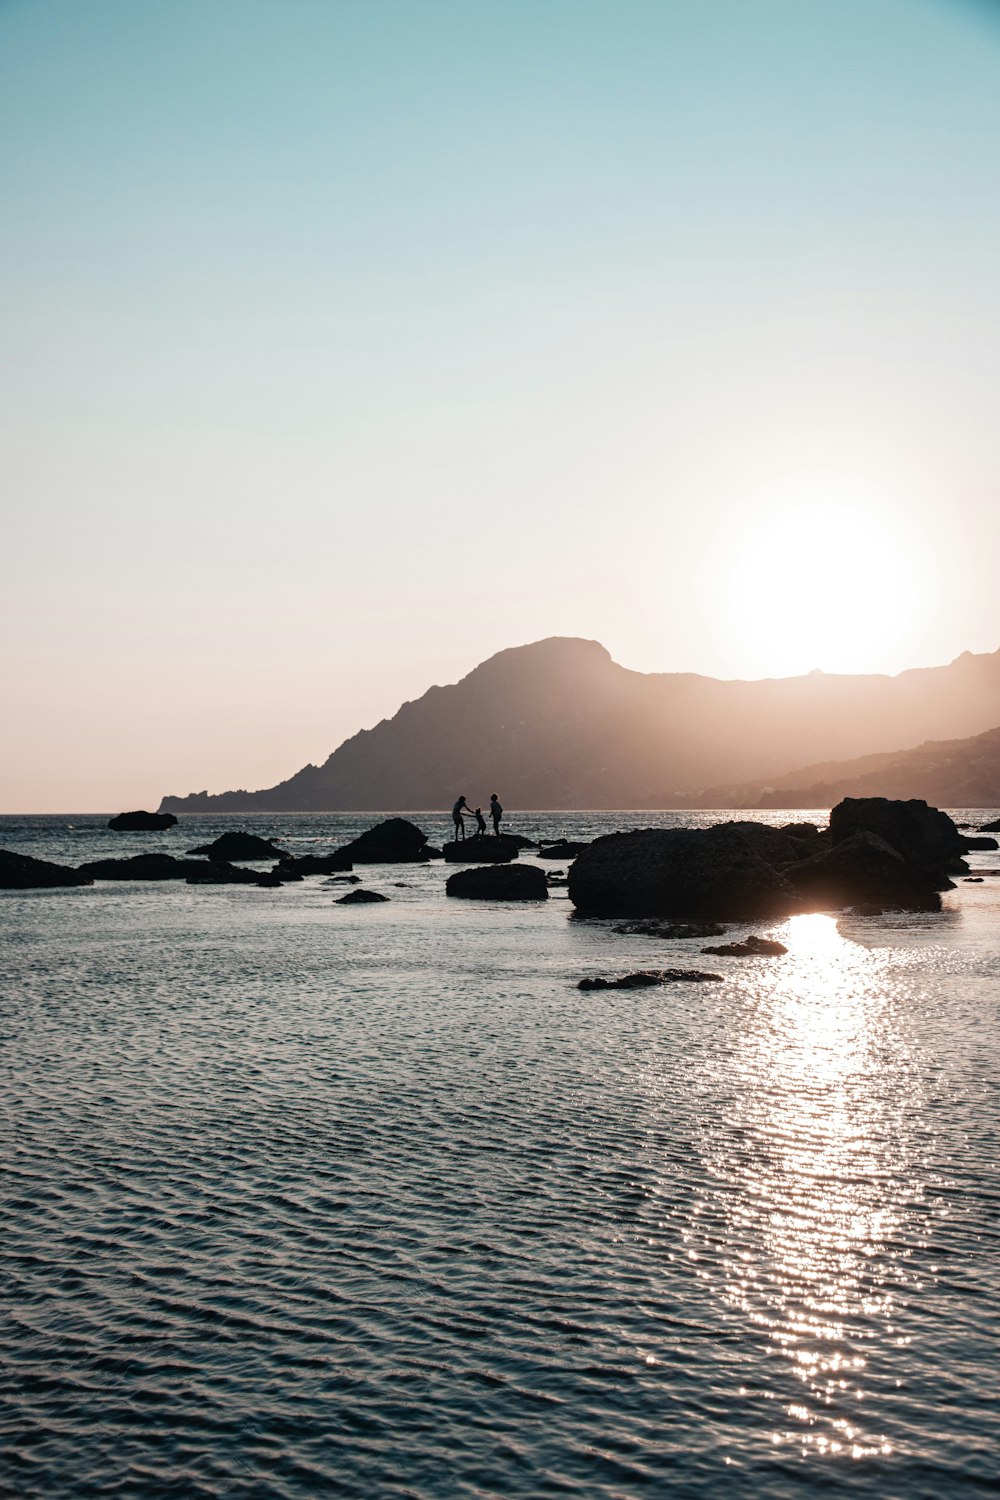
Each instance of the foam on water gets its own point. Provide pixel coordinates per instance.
(304, 1199)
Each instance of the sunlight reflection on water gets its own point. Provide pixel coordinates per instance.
(814, 1166)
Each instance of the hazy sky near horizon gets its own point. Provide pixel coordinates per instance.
(346, 344)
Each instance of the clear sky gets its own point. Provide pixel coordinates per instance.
(345, 344)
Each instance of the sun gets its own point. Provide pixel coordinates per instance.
(822, 586)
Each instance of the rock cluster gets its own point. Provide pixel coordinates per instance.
(897, 854)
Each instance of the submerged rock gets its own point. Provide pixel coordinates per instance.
(141, 822)
(22, 872)
(395, 841)
(671, 930)
(645, 978)
(240, 845)
(358, 898)
(343, 880)
(751, 947)
(499, 883)
(483, 850)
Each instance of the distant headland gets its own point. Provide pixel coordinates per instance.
(559, 724)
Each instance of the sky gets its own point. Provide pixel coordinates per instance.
(345, 344)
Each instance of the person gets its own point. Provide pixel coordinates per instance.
(457, 818)
(480, 823)
(496, 812)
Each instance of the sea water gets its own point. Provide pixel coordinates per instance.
(305, 1199)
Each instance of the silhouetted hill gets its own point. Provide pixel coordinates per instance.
(946, 773)
(559, 724)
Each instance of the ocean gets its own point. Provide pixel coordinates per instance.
(301, 1199)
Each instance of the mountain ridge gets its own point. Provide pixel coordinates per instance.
(558, 724)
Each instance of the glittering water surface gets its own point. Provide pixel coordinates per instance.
(302, 1199)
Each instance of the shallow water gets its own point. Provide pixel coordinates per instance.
(303, 1199)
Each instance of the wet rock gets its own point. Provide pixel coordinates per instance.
(503, 882)
(357, 898)
(990, 827)
(972, 842)
(343, 880)
(973, 880)
(562, 848)
(697, 874)
(22, 872)
(393, 842)
(483, 850)
(671, 931)
(141, 822)
(925, 837)
(864, 868)
(751, 947)
(313, 864)
(645, 978)
(433, 853)
(217, 872)
(240, 845)
(149, 867)
(519, 841)
(269, 881)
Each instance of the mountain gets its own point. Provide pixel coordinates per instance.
(946, 773)
(559, 724)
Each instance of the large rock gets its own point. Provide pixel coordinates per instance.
(864, 868)
(239, 846)
(141, 822)
(504, 882)
(360, 898)
(695, 874)
(926, 838)
(482, 850)
(144, 867)
(396, 841)
(22, 872)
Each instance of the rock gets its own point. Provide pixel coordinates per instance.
(269, 881)
(973, 880)
(925, 837)
(343, 880)
(671, 931)
(313, 864)
(22, 872)
(356, 898)
(979, 843)
(148, 867)
(751, 947)
(706, 874)
(562, 849)
(864, 867)
(555, 882)
(218, 873)
(990, 827)
(239, 845)
(505, 882)
(141, 822)
(433, 853)
(519, 841)
(644, 978)
(866, 909)
(396, 841)
(483, 850)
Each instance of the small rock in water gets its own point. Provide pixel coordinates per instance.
(751, 947)
(355, 897)
(671, 930)
(343, 880)
(993, 827)
(973, 880)
(644, 978)
(141, 822)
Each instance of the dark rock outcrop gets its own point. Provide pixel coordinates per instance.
(925, 837)
(483, 850)
(240, 846)
(395, 841)
(707, 874)
(314, 864)
(499, 883)
(359, 898)
(993, 827)
(218, 873)
(22, 872)
(751, 947)
(971, 841)
(865, 868)
(646, 978)
(562, 849)
(145, 867)
(141, 822)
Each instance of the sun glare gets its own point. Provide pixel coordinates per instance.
(823, 587)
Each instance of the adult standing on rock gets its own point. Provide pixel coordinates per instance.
(496, 813)
(457, 818)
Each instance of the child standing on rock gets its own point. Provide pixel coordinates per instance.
(496, 813)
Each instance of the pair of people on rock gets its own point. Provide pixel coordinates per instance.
(462, 807)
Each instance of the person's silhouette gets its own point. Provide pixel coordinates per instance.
(457, 818)
(480, 822)
(496, 812)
